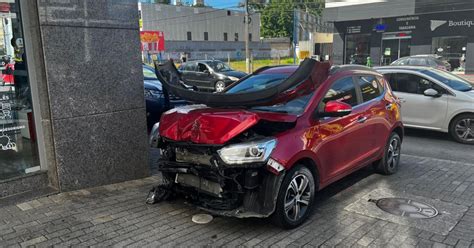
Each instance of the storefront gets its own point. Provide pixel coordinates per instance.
(384, 40)
(18, 140)
(72, 112)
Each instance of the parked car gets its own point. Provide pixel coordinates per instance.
(429, 60)
(211, 75)
(154, 98)
(271, 141)
(434, 99)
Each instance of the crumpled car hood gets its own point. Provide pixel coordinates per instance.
(201, 125)
(309, 75)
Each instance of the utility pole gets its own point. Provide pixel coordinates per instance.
(295, 34)
(247, 23)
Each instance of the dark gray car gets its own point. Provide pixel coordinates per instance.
(211, 75)
(429, 60)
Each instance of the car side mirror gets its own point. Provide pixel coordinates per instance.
(336, 109)
(431, 93)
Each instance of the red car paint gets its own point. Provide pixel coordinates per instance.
(336, 146)
(213, 126)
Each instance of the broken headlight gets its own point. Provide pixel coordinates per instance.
(256, 151)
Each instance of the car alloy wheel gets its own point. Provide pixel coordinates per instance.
(297, 197)
(462, 129)
(465, 130)
(393, 153)
(220, 86)
(388, 165)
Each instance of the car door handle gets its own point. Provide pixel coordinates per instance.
(361, 119)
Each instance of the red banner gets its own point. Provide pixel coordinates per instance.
(152, 41)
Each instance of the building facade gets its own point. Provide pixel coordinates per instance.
(203, 32)
(72, 112)
(387, 30)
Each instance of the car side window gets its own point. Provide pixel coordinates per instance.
(391, 79)
(414, 84)
(370, 87)
(190, 67)
(417, 61)
(342, 90)
(202, 67)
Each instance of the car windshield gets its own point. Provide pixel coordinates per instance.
(218, 66)
(258, 82)
(295, 106)
(149, 73)
(451, 80)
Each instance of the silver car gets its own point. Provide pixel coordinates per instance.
(434, 99)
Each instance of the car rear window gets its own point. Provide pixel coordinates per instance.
(369, 87)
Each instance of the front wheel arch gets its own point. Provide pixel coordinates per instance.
(456, 116)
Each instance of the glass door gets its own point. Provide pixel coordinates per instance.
(395, 46)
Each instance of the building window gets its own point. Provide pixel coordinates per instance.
(229, 12)
(357, 48)
(206, 36)
(250, 36)
(452, 48)
(236, 37)
(225, 36)
(18, 145)
(189, 37)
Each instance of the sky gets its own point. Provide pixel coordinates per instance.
(221, 4)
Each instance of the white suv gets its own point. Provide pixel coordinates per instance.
(434, 99)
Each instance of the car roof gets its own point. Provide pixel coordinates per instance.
(203, 61)
(342, 68)
(282, 69)
(403, 67)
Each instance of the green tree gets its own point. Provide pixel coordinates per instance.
(277, 15)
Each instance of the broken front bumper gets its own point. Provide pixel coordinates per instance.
(247, 190)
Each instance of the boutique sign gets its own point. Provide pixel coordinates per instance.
(435, 24)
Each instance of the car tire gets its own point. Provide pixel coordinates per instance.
(298, 202)
(462, 129)
(390, 161)
(219, 86)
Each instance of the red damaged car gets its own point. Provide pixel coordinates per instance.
(267, 144)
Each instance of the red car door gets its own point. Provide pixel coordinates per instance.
(343, 139)
(375, 108)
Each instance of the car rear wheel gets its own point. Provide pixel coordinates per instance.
(219, 86)
(388, 165)
(462, 129)
(295, 198)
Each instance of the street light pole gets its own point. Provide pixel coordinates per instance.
(247, 50)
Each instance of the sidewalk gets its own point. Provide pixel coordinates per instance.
(116, 215)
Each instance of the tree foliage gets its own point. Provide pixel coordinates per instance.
(277, 15)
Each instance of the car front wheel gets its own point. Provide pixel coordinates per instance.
(295, 198)
(220, 86)
(462, 129)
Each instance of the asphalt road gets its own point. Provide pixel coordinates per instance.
(436, 145)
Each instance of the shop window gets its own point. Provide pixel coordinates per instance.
(18, 146)
(357, 49)
(452, 49)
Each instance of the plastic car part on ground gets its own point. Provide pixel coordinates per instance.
(304, 80)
